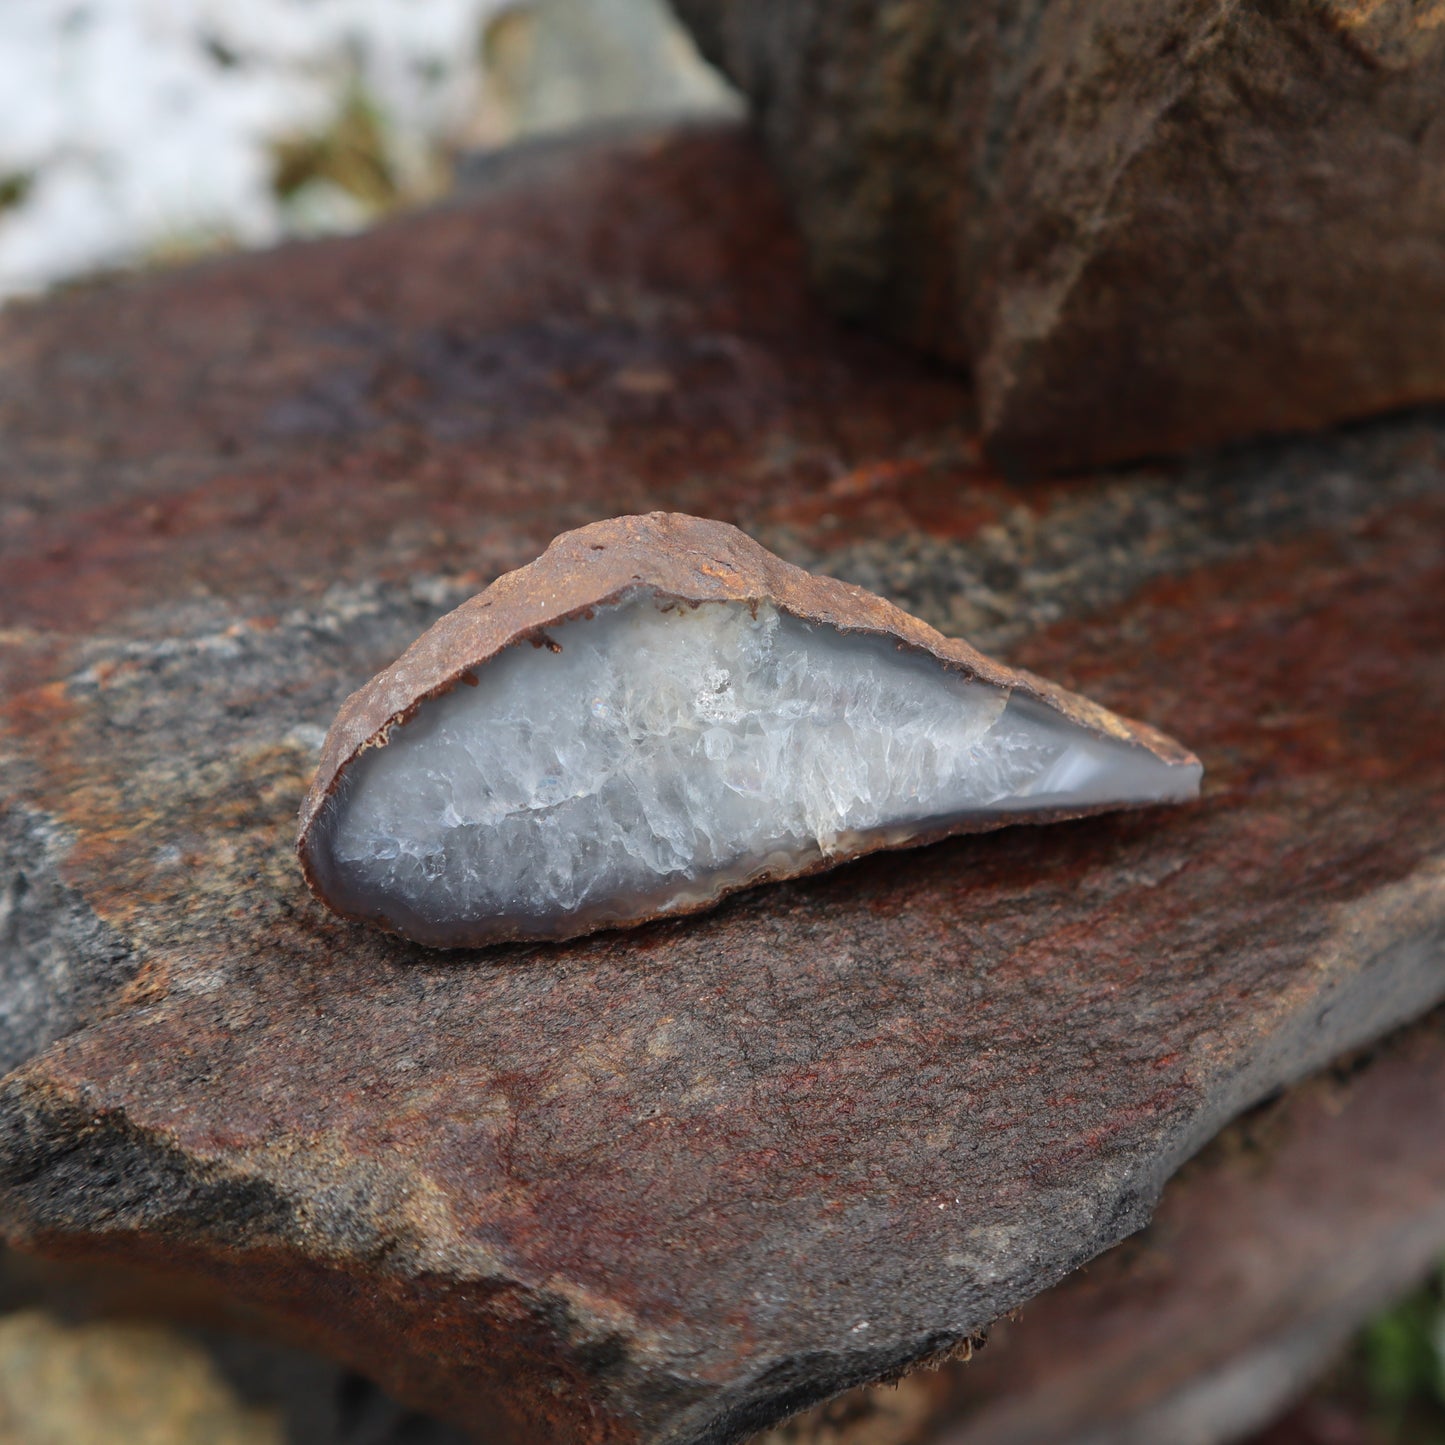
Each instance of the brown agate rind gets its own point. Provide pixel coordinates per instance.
(690, 560)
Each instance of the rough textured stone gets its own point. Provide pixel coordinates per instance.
(1144, 226)
(657, 712)
(154, 1337)
(1292, 1228)
(1295, 1224)
(95, 1384)
(671, 1185)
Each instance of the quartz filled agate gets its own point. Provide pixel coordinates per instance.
(657, 712)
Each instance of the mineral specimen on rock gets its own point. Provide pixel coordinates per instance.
(693, 716)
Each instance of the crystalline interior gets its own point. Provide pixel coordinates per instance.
(668, 752)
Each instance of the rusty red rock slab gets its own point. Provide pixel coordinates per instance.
(1267, 1252)
(673, 1184)
(1291, 1228)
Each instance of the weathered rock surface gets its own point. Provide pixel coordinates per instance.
(1144, 226)
(665, 1186)
(1291, 1229)
(81, 1344)
(97, 1383)
(1295, 1224)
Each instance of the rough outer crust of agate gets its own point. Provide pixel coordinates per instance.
(734, 720)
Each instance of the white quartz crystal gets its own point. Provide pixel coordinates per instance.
(669, 751)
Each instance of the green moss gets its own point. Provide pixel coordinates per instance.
(14, 187)
(1402, 1355)
(351, 153)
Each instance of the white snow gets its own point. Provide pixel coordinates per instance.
(139, 128)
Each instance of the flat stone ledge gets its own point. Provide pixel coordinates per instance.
(675, 1184)
(1268, 1250)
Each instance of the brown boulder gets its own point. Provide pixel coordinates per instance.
(1144, 226)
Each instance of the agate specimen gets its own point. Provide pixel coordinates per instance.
(657, 712)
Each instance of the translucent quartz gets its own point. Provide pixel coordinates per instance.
(668, 752)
